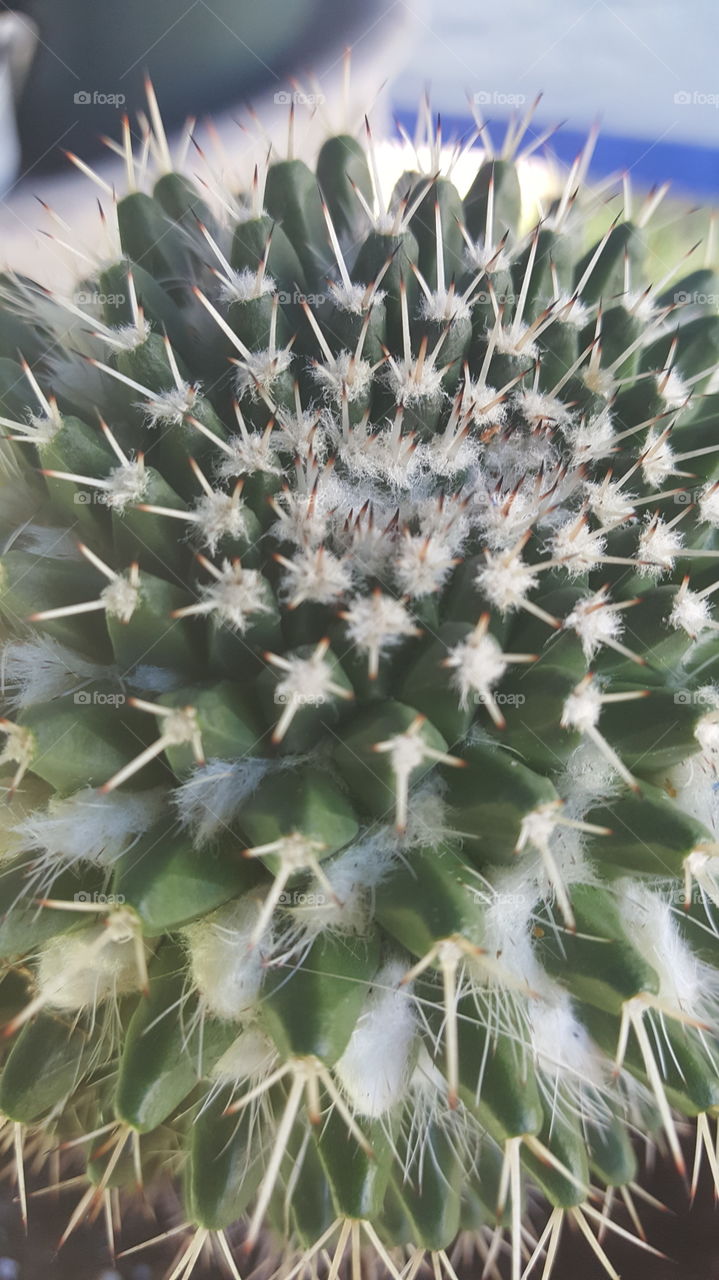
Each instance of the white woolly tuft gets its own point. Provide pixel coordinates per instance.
(427, 819)
(503, 523)
(46, 541)
(690, 612)
(562, 1047)
(302, 518)
(608, 501)
(210, 799)
(128, 337)
(249, 454)
(411, 385)
(220, 515)
(478, 255)
(17, 805)
(343, 375)
(300, 433)
(126, 484)
(592, 440)
(594, 623)
(582, 709)
(658, 547)
(40, 668)
(477, 665)
(249, 1056)
(658, 459)
(444, 306)
(147, 679)
(578, 547)
(374, 1069)
(42, 428)
(316, 575)
(234, 595)
(601, 381)
(707, 735)
(89, 826)
(352, 875)
(121, 598)
(478, 401)
(353, 297)
(225, 967)
(695, 788)
(674, 390)
(709, 504)
(649, 920)
(169, 408)
(537, 407)
(512, 341)
(259, 369)
(242, 286)
(422, 564)
(81, 970)
(376, 624)
(506, 580)
(588, 779)
(509, 908)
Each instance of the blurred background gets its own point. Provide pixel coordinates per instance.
(68, 71)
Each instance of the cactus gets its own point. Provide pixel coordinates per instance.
(360, 732)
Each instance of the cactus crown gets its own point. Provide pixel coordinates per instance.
(358, 648)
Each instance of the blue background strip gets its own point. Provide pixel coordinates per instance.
(691, 169)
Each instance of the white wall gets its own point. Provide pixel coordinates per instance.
(625, 60)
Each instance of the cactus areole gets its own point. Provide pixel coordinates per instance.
(359, 551)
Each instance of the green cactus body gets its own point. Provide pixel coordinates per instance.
(359, 733)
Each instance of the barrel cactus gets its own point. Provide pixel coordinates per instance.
(360, 728)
